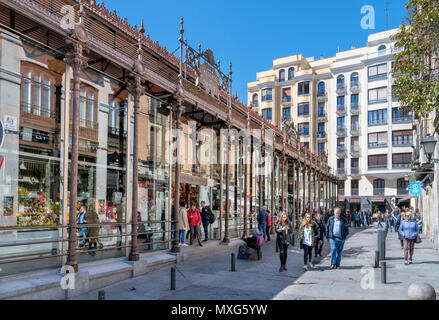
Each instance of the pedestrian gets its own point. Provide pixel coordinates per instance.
(205, 214)
(369, 217)
(183, 223)
(336, 232)
(194, 219)
(357, 219)
(81, 219)
(307, 240)
(379, 219)
(409, 230)
(93, 230)
(420, 223)
(365, 223)
(120, 214)
(320, 235)
(389, 220)
(263, 220)
(284, 233)
(268, 227)
(400, 218)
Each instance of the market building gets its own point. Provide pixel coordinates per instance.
(95, 115)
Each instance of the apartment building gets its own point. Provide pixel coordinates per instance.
(296, 89)
(346, 106)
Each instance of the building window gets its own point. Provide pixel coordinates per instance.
(402, 186)
(377, 117)
(402, 138)
(303, 129)
(116, 115)
(340, 102)
(354, 100)
(340, 188)
(378, 187)
(321, 89)
(88, 106)
(340, 82)
(281, 75)
(286, 95)
(382, 50)
(340, 123)
(378, 95)
(401, 116)
(377, 140)
(267, 94)
(303, 109)
(378, 72)
(401, 160)
(321, 127)
(37, 91)
(354, 163)
(394, 96)
(354, 80)
(290, 73)
(321, 148)
(355, 124)
(286, 114)
(303, 88)
(378, 161)
(321, 109)
(354, 187)
(255, 100)
(266, 113)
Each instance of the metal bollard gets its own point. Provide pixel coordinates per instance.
(383, 272)
(233, 269)
(101, 295)
(173, 278)
(377, 259)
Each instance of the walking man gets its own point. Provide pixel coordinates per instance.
(205, 213)
(337, 230)
(263, 220)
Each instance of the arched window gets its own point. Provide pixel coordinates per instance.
(382, 50)
(340, 82)
(354, 80)
(255, 100)
(290, 73)
(321, 89)
(402, 186)
(378, 186)
(282, 75)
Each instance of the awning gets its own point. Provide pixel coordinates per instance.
(378, 199)
(405, 199)
(355, 200)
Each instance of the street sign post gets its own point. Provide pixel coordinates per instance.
(415, 188)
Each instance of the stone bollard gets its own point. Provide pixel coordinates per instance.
(233, 269)
(377, 259)
(421, 291)
(101, 295)
(383, 272)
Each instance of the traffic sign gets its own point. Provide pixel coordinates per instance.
(415, 188)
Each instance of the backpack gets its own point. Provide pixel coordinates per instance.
(210, 216)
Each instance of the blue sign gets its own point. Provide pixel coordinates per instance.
(415, 188)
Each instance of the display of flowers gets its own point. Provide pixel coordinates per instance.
(37, 212)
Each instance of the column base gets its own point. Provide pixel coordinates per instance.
(176, 249)
(133, 257)
(74, 266)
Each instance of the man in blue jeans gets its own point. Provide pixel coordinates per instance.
(337, 230)
(205, 212)
(263, 220)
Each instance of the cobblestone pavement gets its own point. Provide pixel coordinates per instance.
(210, 278)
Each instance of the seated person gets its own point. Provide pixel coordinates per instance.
(255, 242)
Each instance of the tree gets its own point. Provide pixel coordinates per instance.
(416, 66)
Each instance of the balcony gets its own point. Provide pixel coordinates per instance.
(376, 145)
(341, 89)
(354, 191)
(355, 86)
(340, 192)
(115, 132)
(377, 167)
(401, 165)
(406, 119)
(341, 110)
(355, 151)
(341, 132)
(372, 123)
(355, 129)
(321, 96)
(321, 116)
(402, 144)
(304, 134)
(355, 108)
(341, 173)
(377, 77)
(355, 171)
(321, 135)
(378, 191)
(286, 99)
(255, 104)
(341, 151)
(383, 100)
(402, 191)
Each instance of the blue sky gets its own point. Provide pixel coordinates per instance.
(251, 33)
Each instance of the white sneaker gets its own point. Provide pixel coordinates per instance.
(311, 265)
(305, 267)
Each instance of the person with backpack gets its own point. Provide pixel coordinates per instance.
(194, 219)
(284, 233)
(263, 220)
(206, 214)
(307, 239)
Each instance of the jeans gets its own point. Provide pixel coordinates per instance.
(181, 234)
(206, 230)
(365, 222)
(389, 224)
(83, 234)
(283, 252)
(379, 225)
(307, 254)
(262, 228)
(319, 246)
(336, 250)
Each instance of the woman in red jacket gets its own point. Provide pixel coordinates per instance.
(194, 219)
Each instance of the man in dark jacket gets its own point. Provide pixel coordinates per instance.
(205, 213)
(263, 220)
(337, 230)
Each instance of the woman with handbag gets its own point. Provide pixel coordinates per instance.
(409, 230)
(307, 239)
(284, 232)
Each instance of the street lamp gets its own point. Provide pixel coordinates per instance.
(429, 144)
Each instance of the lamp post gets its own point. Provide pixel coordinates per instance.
(428, 145)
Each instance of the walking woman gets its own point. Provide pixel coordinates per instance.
(284, 232)
(409, 230)
(320, 235)
(307, 239)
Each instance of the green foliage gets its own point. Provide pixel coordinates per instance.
(416, 67)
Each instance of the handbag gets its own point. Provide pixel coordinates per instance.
(418, 239)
